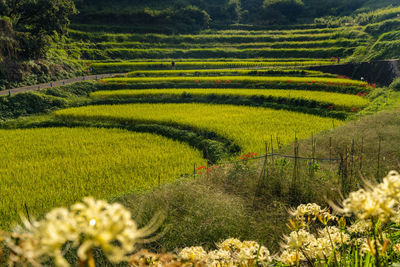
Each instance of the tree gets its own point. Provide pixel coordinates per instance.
(8, 44)
(48, 16)
(35, 22)
(191, 16)
(235, 10)
(288, 9)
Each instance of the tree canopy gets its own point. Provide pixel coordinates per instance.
(284, 9)
(35, 22)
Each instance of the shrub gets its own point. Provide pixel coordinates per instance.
(395, 85)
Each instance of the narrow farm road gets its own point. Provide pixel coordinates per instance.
(39, 87)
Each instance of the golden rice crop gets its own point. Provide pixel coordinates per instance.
(205, 64)
(340, 101)
(227, 72)
(249, 127)
(45, 168)
(166, 60)
(224, 79)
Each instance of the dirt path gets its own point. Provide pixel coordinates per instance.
(39, 87)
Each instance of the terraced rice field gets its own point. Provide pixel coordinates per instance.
(284, 79)
(51, 167)
(248, 127)
(341, 42)
(314, 44)
(126, 66)
(228, 72)
(274, 82)
(233, 36)
(45, 168)
(339, 101)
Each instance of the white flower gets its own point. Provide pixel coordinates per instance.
(320, 249)
(219, 258)
(375, 202)
(310, 209)
(231, 244)
(369, 204)
(335, 235)
(291, 257)
(58, 227)
(25, 248)
(251, 250)
(193, 253)
(396, 248)
(390, 185)
(360, 226)
(109, 226)
(299, 239)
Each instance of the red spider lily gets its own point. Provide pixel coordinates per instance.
(248, 156)
(197, 81)
(203, 169)
(374, 85)
(359, 94)
(331, 107)
(289, 81)
(314, 82)
(218, 81)
(365, 94)
(354, 109)
(228, 81)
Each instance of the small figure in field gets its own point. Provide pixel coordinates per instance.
(338, 60)
(173, 65)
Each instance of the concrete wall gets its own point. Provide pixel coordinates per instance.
(380, 72)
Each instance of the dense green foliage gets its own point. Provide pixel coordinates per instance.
(27, 104)
(29, 31)
(281, 10)
(167, 16)
(32, 25)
